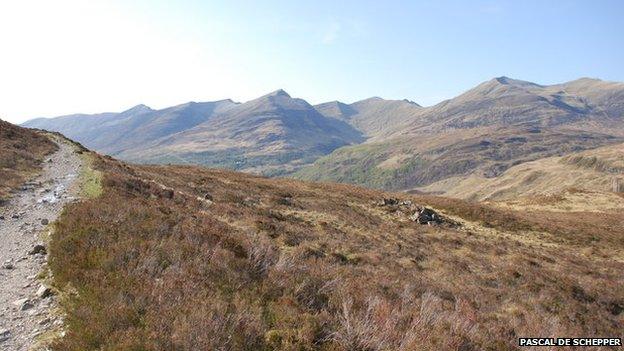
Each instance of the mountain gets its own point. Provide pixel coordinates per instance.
(388, 144)
(114, 133)
(273, 134)
(374, 116)
(483, 132)
(587, 104)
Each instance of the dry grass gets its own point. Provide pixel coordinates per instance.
(590, 171)
(286, 265)
(21, 153)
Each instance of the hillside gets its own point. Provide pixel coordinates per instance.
(21, 154)
(581, 181)
(483, 132)
(185, 258)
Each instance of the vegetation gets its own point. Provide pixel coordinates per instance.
(21, 154)
(184, 258)
(431, 158)
(90, 178)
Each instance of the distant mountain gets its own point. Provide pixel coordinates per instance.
(114, 133)
(498, 124)
(374, 116)
(389, 144)
(587, 104)
(273, 134)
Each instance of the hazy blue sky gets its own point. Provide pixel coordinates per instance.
(66, 56)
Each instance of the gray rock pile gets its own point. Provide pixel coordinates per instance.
(416, 213)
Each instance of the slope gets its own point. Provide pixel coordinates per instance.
(581, 181)
(22, 152)
(185, 258)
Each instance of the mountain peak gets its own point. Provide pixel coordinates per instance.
(140, 108)
(279, 92)
(503, 80)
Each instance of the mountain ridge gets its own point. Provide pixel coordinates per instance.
(503, 120)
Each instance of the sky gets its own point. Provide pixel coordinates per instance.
(68, 56)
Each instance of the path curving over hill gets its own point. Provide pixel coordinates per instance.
(25, 303)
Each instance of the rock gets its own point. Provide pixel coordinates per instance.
(285, 200)
(44, 221)
(389, 202)
(15, 216)
(8, 265)
(207, 196)
(4, 335)
(1, 218)
(43, 292)
(426, 216)
(38, 249)
(167, 193)
(24, 304)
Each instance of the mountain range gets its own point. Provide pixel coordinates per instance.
(388, 144)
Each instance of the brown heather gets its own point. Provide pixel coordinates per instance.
(277, 264)
(21, 153)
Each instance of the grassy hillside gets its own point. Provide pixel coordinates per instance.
(419, 160)
(581, 181)
(184, 258)
(21, 154)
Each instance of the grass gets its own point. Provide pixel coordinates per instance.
(277, 264)
(90, 178)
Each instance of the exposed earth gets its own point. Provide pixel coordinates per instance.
(26, 302)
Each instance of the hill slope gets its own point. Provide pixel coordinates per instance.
(21, 153)
(581, 181)
(184, 258)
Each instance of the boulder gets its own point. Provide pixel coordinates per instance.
(38, 249)
(23, 304)
(4, 335)
(426, 216)
(43, 292)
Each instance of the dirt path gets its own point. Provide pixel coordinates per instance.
(25, 304)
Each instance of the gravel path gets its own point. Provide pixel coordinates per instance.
(25, 303)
